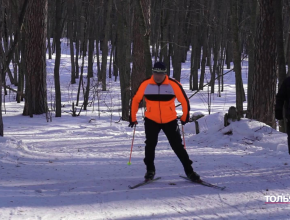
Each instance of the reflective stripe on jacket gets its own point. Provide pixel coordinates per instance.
(160, 100)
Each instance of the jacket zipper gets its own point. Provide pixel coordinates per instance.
(159, 103)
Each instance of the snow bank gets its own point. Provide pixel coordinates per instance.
(245, 133)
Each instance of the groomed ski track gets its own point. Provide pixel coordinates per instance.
(73, 169)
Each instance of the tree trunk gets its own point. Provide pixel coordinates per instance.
(77, 40)
(280, 50)
(209, 47)
(251, 53)
(237, 57)
(178, 43)
(113, 43)
(225, 13)
(115, 61)
(35, 88)
(286, 17)
(99, 73)
(91, 54)
(99, 47)
(91, 33)
(48, 37)
(22, 71)
(77, 67)
(57, 36)
(229, 54)
(140, 70)
(111, 58)
(1, 71)
(164, 29)
(144, 5)
(105, 46)
(204, 36)
(124, 48)
(71, 40)
(264, 79)
(91, 36)
(15, 62)
(202, 70)
(84, 48)
(195, 47)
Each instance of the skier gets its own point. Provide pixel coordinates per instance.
(160, 92)
(282, 96)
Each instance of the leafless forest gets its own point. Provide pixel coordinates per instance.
(217, 32)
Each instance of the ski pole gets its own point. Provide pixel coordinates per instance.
(129, 163)
(183, 136)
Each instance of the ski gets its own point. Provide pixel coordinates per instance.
(204, 183)
(144, 183)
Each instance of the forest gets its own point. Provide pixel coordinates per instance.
(124, 37)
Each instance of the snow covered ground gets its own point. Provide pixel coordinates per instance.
(75, 168)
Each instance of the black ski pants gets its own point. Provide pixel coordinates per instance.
(172, 132)
(288, 133)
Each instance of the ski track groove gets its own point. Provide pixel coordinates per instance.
(176, 208)
(109, 210)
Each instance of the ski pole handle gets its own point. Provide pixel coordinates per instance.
(183, 136)
(129, 163)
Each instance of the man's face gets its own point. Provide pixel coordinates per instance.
(159, 77)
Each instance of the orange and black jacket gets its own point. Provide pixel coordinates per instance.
(160, 100)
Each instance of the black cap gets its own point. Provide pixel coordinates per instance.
(159, 67)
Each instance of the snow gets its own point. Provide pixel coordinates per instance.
(75, 168)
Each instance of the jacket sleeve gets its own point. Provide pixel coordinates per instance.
(182, 98)
(281, 96)
(136, 100)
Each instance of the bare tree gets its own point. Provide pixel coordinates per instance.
(124, 53)
(77, 36)
(91, 33)
(204, 36)
(35, 88)
(105, 45)
(280, 50)
(170, 26)
(70, 24)
(59, 5)
(164, 35)
(196, 46)
(140, 69)
(251, 51)
(178, 38)
(237, 56)
(264, 79)
(1, 69)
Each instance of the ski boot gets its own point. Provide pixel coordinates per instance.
(149, 175)
(193, 176)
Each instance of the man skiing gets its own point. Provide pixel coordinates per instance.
(282, 96)
(160, 92)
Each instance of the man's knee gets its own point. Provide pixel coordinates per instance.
(151, 143)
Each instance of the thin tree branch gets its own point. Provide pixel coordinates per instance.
(214, 79)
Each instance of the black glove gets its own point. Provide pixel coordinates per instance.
(186, 120)
(279, 114)
(183, 122)
(132, 123)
